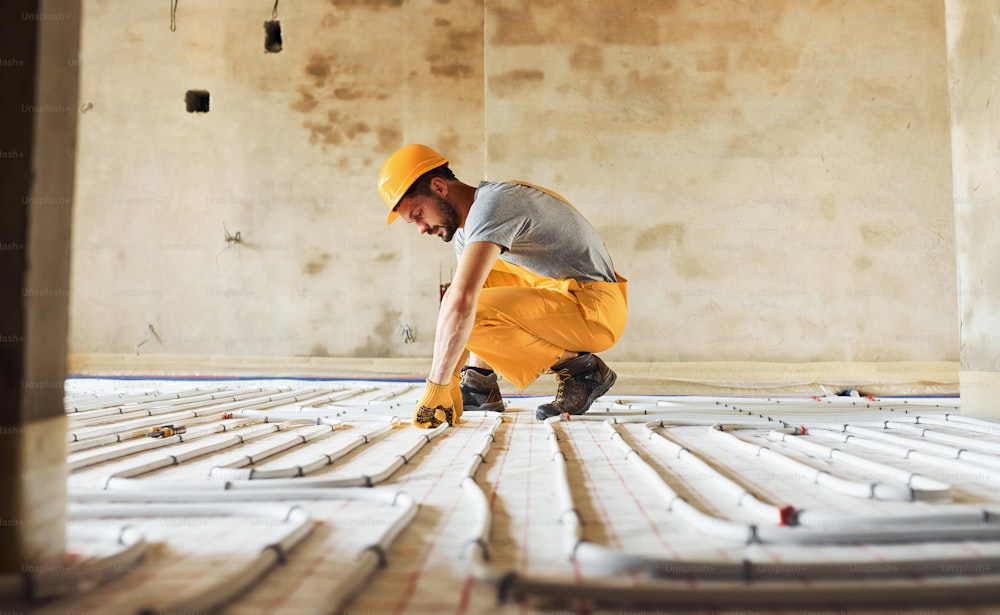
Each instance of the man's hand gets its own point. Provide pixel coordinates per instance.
(438, 406)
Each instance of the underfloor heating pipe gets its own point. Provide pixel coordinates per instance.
(745, 590)
(626, 418)
(611, 561)
(48, 582)
(476, 547)
(332, 393)
(874, 490)
(717, 596)
(909, 452)
(236, 439)
(943, 450)
(334, 399)
(782, 515)
(489, 438)
(780, 534)
(920, 443)
(366, 564)
(231, 472)
(139, 427)
(120, 413)
(953, 515)
(972, 423)
(120, 482)
(302, 436)
(160, 410)
(270, 399)
(320, 415)
(929, 489)
(315, 396)
(75, 404)
(225, 590)
(963, 443)
(146, 444)
(924, 488)
(138, 435)
(75, 413)
(817, 528)
(570, 517)
(804, 413)
(476, 551)
(707, 524)
(390, 398)
(950, 525)
(785, 532)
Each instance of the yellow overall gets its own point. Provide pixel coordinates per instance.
(524, 321)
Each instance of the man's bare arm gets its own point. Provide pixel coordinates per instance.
(458, 308)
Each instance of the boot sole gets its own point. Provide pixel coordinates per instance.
(604, 387)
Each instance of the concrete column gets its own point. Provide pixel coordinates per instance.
(973, 33)
(39, 41)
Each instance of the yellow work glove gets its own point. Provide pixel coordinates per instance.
(436, 406)
(456, 388)
(456, 398)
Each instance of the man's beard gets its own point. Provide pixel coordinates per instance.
(449, 219)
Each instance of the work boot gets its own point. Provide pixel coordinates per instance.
(480, 392)
(582, 379)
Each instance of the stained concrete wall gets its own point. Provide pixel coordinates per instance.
(973, 29)
(772, 176)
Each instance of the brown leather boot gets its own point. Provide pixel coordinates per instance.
(582, 380)
(480, 392)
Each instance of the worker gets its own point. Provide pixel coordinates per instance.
(534, 291)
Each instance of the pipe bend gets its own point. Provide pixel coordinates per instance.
(380, 556)
(281, 557)
(481, 544)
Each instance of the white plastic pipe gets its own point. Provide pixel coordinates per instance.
(121, 413)
(47, 582)
(959, 445)
(328, 412)
(390, 397)
(923, 488)
(279, 446)
(764, 596)
(907, 452)
(768, 513)
(323, 460)
(182, 456)
(875, 490)
(749, 584)
(476, 548)
(139, 427)
(80, 424)
(970, 423)
(369, 559)
(226, 589)
(121, 481)
(78, 461)
(78, 404)
(569, 517)
(944, 528)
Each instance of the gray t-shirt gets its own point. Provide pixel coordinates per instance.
(536, 231)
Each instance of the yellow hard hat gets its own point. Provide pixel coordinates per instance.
(403, 168)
